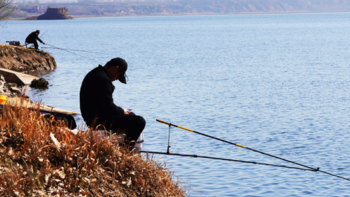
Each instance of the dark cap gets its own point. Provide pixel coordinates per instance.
(123, 66)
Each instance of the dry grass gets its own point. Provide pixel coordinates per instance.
(32, 163)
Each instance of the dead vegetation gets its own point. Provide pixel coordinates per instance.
(40, 157)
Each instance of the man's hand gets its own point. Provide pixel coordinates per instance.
(43, 42)
(126, 111)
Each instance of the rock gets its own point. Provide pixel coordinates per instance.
(2, 79)
(40, 83)
(8, 89)
(13, 84)
(15, 90)
(54, 14)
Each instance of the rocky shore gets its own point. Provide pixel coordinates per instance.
(23, 59)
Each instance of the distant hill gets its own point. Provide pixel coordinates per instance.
(239, 6)
(185, 7)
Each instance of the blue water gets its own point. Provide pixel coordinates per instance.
(276, 83)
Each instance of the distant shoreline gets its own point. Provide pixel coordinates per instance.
(198, 14)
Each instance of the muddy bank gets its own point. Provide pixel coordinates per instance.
(24, 60)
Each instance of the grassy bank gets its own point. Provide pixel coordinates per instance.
(39, 157)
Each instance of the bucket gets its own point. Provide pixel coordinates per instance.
(2, 99)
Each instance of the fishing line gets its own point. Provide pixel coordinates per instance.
(71, 52)
(78, 50)
(313, 169)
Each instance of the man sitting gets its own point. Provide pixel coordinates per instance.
(96, 101)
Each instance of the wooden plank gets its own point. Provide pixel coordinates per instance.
(17, 77)
(16, 101)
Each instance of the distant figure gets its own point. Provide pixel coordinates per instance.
(32, 37)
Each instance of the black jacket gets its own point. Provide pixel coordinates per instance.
(96, 99)
(32, 37)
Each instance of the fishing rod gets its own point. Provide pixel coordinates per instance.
(312, 169)
(42, 35)
(170, 124)
(224, 159)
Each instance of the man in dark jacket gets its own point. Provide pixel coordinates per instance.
(32, 37)
(96, 101)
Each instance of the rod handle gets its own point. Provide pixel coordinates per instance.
(162, 121)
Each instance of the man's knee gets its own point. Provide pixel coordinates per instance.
(141, 122)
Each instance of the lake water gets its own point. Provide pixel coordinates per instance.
(276, 83)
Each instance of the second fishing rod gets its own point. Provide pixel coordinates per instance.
(312, 169)
(170, 124)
